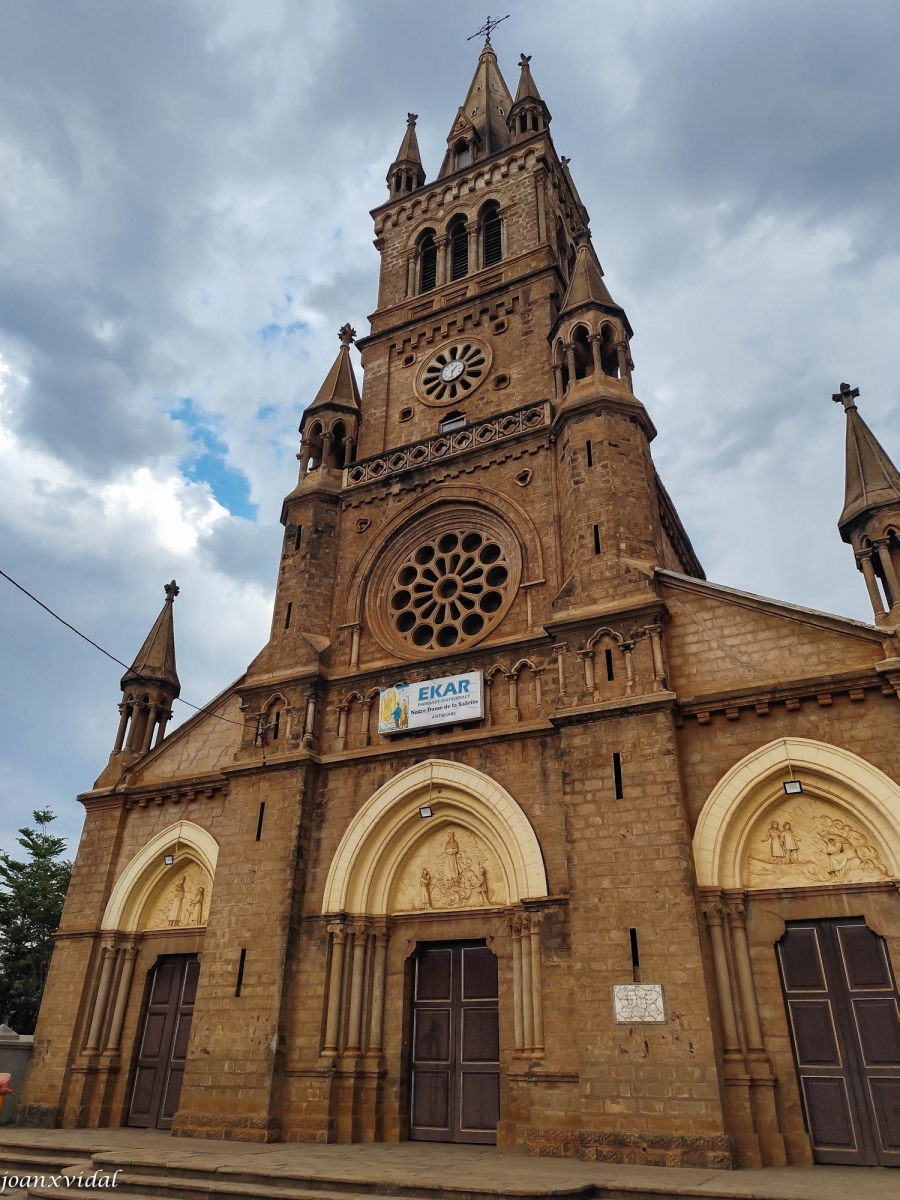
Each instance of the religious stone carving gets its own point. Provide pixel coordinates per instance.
(810, 841)
(183, 900)
(451, 868)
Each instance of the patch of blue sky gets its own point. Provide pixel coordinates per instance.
(273, 333)
(208, 464)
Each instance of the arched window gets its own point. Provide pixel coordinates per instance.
(463, 154)
(459, 249)
(492, 236)
(609, 355)
(584, 358)
(338, 446)
(427, 263)
(314, 447)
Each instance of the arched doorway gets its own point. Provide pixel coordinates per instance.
(797, 852)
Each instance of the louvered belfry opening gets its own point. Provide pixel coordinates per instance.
(492, 237)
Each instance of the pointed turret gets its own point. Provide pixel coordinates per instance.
(592, 343)
(149, 686)
(529, 114)
(406, 172)
(480, 127)
(870, 521)
(330, 424)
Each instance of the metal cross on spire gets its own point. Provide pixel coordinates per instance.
(487, 29)
(846, 396)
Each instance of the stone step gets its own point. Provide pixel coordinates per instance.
(31, 1167)
(175, 1187)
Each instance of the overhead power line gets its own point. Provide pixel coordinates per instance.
(91, 642)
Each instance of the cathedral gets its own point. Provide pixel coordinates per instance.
(518, 830)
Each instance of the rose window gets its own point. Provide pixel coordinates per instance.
(449, 590)
(454, 372)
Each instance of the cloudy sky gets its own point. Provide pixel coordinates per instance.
(184, 196)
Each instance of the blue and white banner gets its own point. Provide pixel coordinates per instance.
(431, 702)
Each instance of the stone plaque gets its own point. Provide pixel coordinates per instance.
(639, 1004)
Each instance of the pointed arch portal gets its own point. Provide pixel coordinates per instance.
(384, 841)
(843, 828)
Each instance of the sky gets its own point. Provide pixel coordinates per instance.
(184, 198)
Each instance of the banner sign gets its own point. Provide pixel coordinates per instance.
(431, 702)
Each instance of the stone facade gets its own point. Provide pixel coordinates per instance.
(587, 829)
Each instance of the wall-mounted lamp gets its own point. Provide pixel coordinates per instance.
(168, 860)
(792, 787)
(426, 811)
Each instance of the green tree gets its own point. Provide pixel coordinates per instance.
(31, 900)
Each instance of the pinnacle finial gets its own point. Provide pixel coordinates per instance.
(347, 334)
(411, 118)
(171, 589)
(846, 396)
(524, 60)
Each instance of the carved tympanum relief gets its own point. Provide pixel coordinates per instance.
(183, 900)
(809, 841)
(451, 868)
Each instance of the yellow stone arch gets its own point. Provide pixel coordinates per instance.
(379, 864)
(142, 886)
(843, 828)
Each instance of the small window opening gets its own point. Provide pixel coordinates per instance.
(492, 237)
(276, 726)
(239, 983)
(635, 956)
(584, 357)
(459, 251)
(589, 451)
(609, 356)
(598, 549)
(259, 823)
(427, 263)
(453, 420)
(463, 155)
(610, 670)
(298, 537)
(406, 414)
(287, 614)
(534, 122)
(338, 447)
(617, 775)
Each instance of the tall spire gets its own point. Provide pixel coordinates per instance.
(339, 389)
(586, 285)
(871, 480)
(529, 115)
(480, 128)
(149, 686)
(155, 661)
(870, 520)
(406, 171)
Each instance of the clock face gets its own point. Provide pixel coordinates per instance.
(452, 370)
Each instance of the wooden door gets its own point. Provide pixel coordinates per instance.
(455, 1084)
(162, 1049)
(842, 1005)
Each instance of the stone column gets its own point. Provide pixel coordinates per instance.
(309, 726)
(161, 725)
(341, 739)
(124, 710)
(357, 978)
(744, 971)
(715, 919)
(488, 709)
(118, 1019)
(379, 978)
(868, 570)
(587, 658)
(473, 229)
(148, 731)
(366, 711)
(515, 936)
(659, 662)
(513, 681)
(569, 348)
(107, 962)
(355, 631)
(890, 577)
(595, 339)
(333, 1018)
(538, 694)
(441, 272)
(527, 989)
(558, 651)
(627, 649)
(537, 986)
(557, 381)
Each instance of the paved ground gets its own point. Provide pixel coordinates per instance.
(451, 1168)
